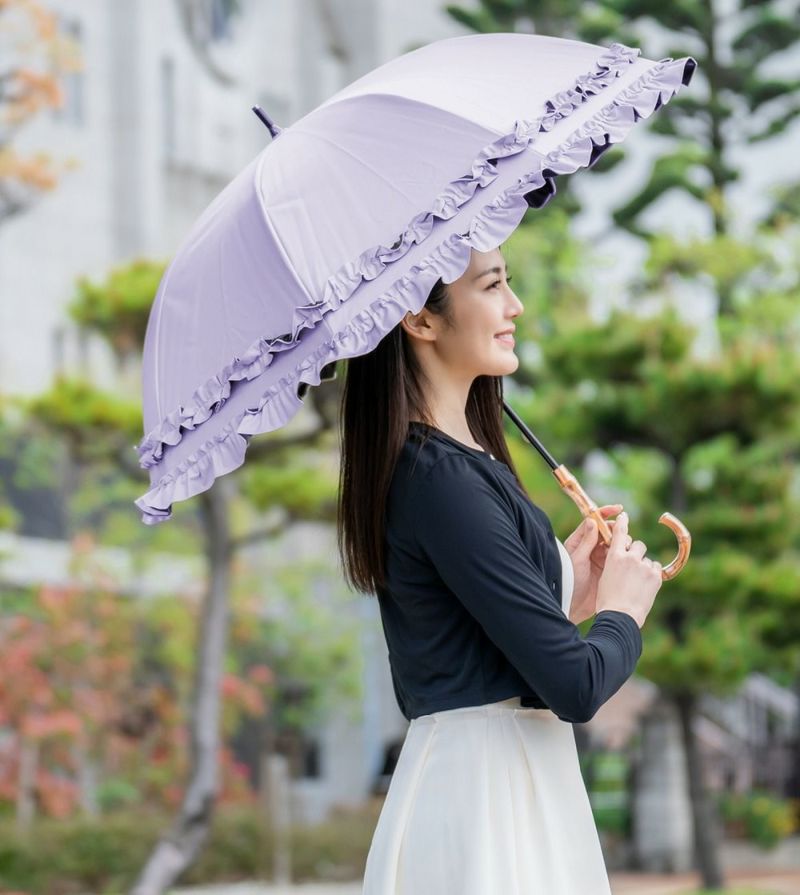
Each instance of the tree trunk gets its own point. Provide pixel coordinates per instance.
(26, 787)
(704, 815)
(177, 849)
(87, 779)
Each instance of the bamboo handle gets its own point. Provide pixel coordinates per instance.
(589, 508)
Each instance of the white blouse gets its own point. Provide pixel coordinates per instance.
(567, 578)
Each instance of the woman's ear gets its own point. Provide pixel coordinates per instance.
(419, 326)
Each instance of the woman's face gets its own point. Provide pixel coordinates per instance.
(482, 305)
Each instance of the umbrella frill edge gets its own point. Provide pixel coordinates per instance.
(278, 405)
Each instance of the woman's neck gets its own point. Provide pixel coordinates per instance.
(460, 433)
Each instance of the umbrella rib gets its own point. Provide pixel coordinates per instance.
(274, 234)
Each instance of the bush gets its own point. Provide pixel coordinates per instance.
(337, 848)
(67, 857)
(608, 791)
(759, 815)
(240, 847)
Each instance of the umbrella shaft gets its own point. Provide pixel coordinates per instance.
(551, 462)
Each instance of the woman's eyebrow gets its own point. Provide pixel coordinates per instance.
(490, 270)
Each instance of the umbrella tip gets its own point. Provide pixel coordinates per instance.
(266, 120)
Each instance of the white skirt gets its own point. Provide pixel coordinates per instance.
(487, 799)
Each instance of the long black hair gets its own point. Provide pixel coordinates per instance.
(383, 390)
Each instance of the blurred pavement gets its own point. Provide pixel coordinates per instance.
(779, 882)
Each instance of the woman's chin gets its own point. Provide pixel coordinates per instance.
(504, 367)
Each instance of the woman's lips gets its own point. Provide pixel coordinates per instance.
(506, 339)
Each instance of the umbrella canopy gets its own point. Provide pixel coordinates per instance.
(347, 219)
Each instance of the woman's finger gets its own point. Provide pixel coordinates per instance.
(619, 534)
(611, 509)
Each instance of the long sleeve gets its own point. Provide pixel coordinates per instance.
(467, 529)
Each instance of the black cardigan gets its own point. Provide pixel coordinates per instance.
(472, 609)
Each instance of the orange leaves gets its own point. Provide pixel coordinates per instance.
(261, 674)
(90, 679)
(28, 92)
(42, 726)
(37, 57)
(34, 171)
(242, 694)
(64, 672)
(58, 795)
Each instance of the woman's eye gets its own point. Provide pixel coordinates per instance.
(497, 283)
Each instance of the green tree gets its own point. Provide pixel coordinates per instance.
(707, 434)
(735, 101)
(741, 103)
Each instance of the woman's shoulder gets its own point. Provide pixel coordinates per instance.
(437, 480)
(422, 458)
(436, 469)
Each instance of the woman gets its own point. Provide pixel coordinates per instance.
(479, 603)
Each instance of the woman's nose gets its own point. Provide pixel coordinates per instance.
(516, 305)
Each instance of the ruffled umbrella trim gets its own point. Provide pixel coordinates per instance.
(225, 451)
(211, 396)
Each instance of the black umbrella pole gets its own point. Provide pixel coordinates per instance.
(530, 436)
(564, 477)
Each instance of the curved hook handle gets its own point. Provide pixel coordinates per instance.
(588, 507)
(684, 545)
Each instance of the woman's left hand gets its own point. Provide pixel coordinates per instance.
(588, 554)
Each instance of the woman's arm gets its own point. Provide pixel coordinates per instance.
(467, 530)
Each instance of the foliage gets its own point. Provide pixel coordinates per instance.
(9, 517)
(71, 857)
(607, 787)
(709, 435)
(764, 818)
(36, 58)
(302, 482)
(118, 307)
(307, 629)
(89, 680)
(654, 406)
(63, 674)
(96, 680)
(735, 99)
(92, 421)
(100, 431)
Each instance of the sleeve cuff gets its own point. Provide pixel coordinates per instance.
(629, 626)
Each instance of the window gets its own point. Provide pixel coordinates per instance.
(168, 129)
(73, 110)
(221, 14)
